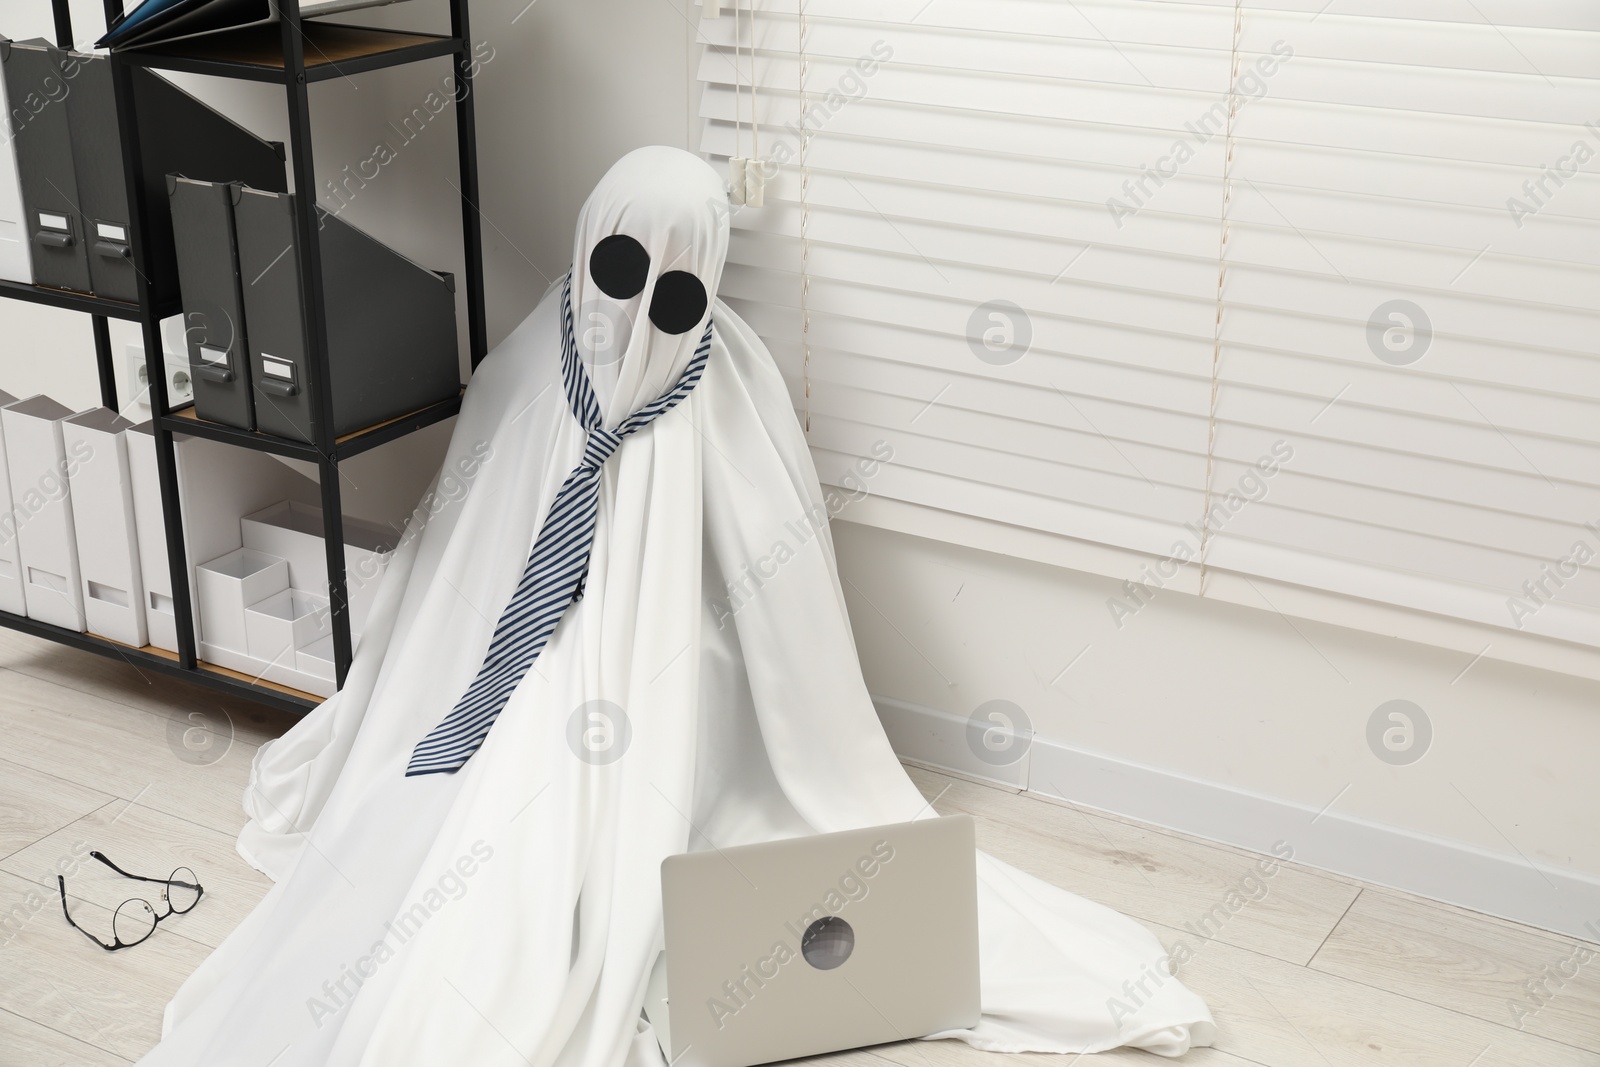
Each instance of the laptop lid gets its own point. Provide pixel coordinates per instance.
(815, 944)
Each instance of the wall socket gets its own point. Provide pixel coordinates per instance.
(180, 390)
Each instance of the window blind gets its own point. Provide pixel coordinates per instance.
(1284, 299)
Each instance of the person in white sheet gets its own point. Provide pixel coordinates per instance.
(506, 909)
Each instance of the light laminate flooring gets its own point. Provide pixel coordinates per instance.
(1315, 970)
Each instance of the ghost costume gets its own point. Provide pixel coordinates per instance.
(509, 913)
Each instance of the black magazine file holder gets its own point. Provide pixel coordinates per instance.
(391, 324)
(69, 156)
(213, 308)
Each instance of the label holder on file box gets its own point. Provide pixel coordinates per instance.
(111, 241)
(278, 376)
(55, 231)
(214, 365)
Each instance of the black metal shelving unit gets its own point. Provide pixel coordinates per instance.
(278, 54)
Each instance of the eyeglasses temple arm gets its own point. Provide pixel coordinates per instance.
(61, 883)
(139, 877)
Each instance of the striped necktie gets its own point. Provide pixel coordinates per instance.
(556, 569)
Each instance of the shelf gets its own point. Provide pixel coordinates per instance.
(324, 51)
(255, 53)
(71, 301)
(161, 661)
(227, 679)
(351, 444)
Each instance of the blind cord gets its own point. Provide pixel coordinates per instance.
(1222, 275)
(736, 161)
(805, 225)
(755, 118)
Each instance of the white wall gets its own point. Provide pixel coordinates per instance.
(1232, 695)
(1241, 725)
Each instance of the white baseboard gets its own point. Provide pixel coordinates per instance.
(1506, 885)
(938, 740)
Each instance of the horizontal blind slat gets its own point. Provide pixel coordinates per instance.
(1204, 277)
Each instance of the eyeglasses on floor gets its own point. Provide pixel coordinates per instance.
(136, 918)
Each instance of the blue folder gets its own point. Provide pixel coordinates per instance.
(156, 21)
(168, 20)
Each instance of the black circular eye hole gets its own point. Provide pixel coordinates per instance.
(679, 302)
(619, 265)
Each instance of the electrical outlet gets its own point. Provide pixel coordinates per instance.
(180, 390)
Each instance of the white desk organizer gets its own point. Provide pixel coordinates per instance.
(36, 460)
(11, 596)
(253, 622)
(294, 531)
(218, 485)
(315, 662)
(277, 627)
(102, 511)
(225, 586)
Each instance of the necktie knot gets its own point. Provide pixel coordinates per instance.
(599, 447)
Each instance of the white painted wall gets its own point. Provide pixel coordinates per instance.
(1193, 690)
(1231, 694)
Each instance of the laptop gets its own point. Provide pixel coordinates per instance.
(817, 944)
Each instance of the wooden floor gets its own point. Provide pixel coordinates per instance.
(1310, 969)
